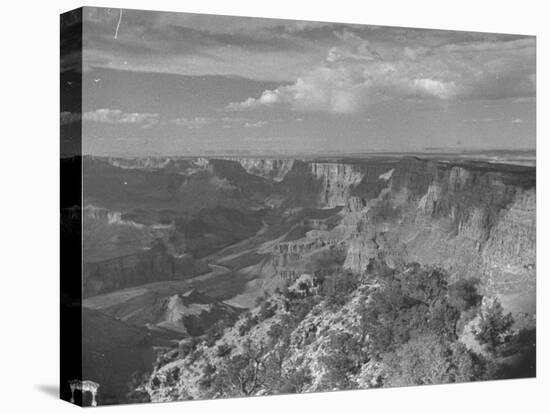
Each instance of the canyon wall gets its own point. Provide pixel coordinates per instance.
(153, 265)
(274, 169)
(477, 220)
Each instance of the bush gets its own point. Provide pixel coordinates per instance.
(188, 346)
(275, 332)
(243, 374)
(295, 381)
(207, 378)
(214, 333)
(494, 327)
(408, 304)
(223, 350)
(337, 288)
(343, 359)
(267, 310)
(463, 294)
(248, 322)
(429, 360)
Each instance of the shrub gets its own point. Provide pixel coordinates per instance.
(223, 350)
(337, 288)
(275, 332)
(214, 333)
(463, 294)
(429, 360)
(408, 304)
(343, 359)
(242, 374)
(187, 346)
(494, 327)
(248, 322)
(295, 381)
(267, 310)
(207, 377)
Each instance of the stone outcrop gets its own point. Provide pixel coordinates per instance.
(178, 164)
(337, 180)
(273, 169)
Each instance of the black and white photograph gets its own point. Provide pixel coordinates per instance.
(260, 205)
(276, 206)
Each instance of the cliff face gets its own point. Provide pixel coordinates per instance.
(273, 169)
(149, 266)
(474, 220)
(508, 255)
(337, 180)
(159, 163)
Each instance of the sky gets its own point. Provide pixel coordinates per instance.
(157, 83)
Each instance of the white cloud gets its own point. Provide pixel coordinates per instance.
(118, 117)
(192, 123)
(241, 122)
(436, 88)
(355, 75)
(258, 124)
(517, 121)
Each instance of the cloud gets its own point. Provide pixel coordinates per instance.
(355, 75)
(283, 51)
(190, 44)
(241, 122)
(192, 123)
(517, 121)
(118, 117)
(225, 122)
(258, 124)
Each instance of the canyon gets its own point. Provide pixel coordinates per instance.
(233, 231)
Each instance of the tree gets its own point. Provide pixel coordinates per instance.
(223, 350)
(343, 359)
(463, 294)
(267, 310)
(429, 360)
(295, 380)
(336, 288)
(243, 374)
(494, 326)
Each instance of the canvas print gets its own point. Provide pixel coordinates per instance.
(252, 206)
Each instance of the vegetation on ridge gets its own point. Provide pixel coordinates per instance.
(389, 327)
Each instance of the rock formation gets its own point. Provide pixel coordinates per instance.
(274, 169)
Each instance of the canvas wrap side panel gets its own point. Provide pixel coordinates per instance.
(70, 202)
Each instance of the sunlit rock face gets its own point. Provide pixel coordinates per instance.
(509, 254)
(355, 204)
(180, 165)
(273, 169)
(474, 221)
(140, 163)
(337, 180)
